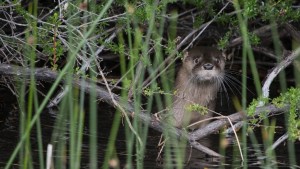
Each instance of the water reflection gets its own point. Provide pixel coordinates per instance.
(9, 125)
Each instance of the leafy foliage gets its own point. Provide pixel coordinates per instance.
(291, 98)
(197, 108)
(253, 105)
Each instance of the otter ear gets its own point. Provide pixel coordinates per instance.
(228, 54)
(185, 55)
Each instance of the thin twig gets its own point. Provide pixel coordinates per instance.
(230, 122)
(293, 31)
(121, 109)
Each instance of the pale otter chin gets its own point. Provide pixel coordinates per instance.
(197, 82)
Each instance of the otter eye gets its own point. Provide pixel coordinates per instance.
(217, 60)
(196, 60)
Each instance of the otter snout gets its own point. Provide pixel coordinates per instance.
(208, 71)
(208, 66)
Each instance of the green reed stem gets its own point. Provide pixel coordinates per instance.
(73, 113)
(93, 127)
(244, 105)
(283, 85)
(257, 148)
(80, 128)
(243, 30)
(291, 145)
(117, 117)
(112, 140)
(69, 65)
(269, 130)
(126, 83)
(247, 45)
(21, 103)
(279, 54)
(59, 133)
(39, 134)
(130, 77)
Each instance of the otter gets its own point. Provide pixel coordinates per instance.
(198, 81)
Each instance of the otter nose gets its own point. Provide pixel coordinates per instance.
(208, 66)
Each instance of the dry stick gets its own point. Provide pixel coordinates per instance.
(223, 117)
(54, 102)
(161, 144)
(100, 49)
(47, 75)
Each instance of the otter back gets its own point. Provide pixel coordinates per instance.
(197, 82)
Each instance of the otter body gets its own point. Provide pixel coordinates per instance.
(197, 82)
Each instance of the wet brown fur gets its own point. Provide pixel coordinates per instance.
(197, 83)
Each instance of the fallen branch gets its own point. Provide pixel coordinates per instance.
(215, 126)
(47, 75)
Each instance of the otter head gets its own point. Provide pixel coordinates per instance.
(204, 64)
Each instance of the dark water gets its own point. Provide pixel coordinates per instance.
(9, 136)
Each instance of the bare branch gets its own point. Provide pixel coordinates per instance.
(283, 64)
(48, 75)
(236, 117)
